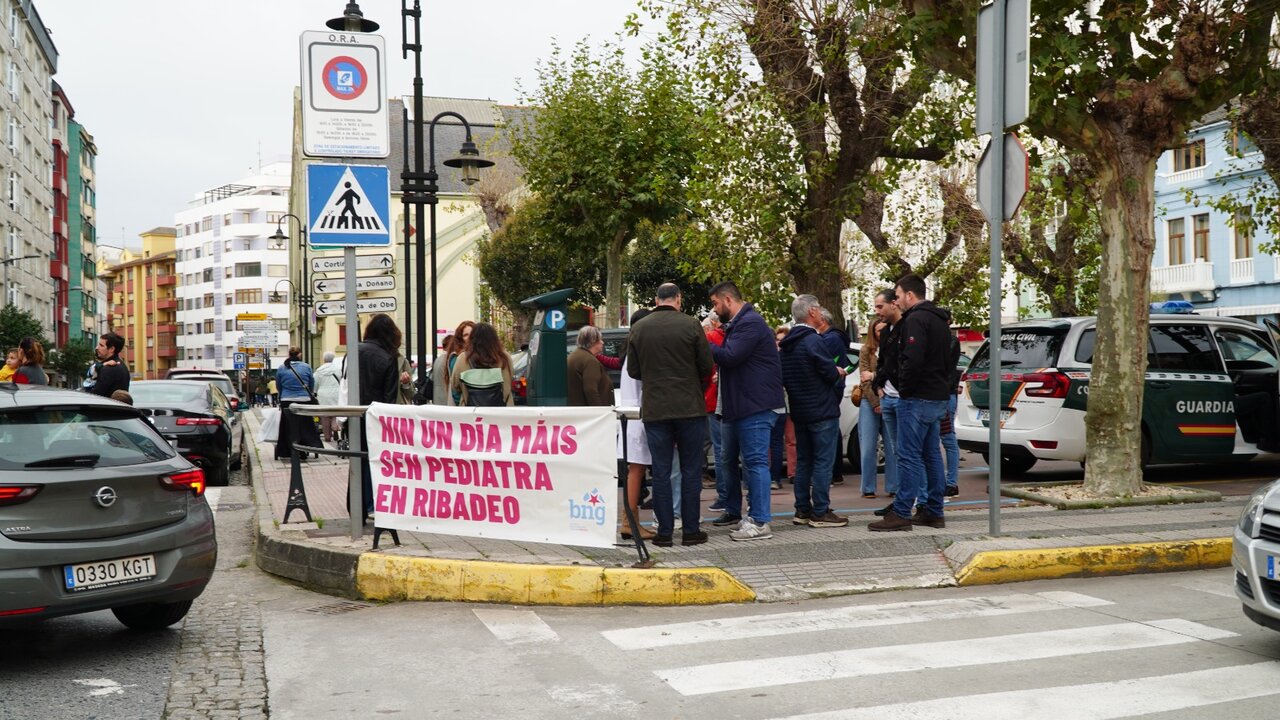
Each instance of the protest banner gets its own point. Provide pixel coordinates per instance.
(544, 474)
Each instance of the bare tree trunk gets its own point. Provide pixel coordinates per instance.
(613, 280)
(1113, 424)
(813, 251)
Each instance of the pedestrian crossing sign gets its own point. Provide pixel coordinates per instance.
(348, 205)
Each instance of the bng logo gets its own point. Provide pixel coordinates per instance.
(591, 507)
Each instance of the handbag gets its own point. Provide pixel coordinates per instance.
(270, 429)
(856, 394)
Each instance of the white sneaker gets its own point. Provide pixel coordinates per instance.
(749, 530)
(677, 524)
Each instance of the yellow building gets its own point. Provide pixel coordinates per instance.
(460, 222)
(144, 304)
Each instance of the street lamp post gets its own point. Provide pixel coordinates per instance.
(4, 299)
(302, 290)
(418, 188)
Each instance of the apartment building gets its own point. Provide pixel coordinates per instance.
(1202, 254)
(29, 264)
(229, 267)
(82, 308)
(144, 304)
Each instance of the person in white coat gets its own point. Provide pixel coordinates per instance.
(637, 444)
(327, 392)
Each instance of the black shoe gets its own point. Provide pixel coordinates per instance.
(696, 538)
(884, 510)
(951, 491)
(647, 504)
(837, 480)
(727, 520)
(662, 540)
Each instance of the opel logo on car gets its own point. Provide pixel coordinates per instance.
(106, 497)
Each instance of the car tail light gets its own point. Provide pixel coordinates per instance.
(1049, 385)
(17, 494)
(23, 611)
(971, 377)
(198, 421)
(192, 480)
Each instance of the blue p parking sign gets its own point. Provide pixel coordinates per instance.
(555, 319)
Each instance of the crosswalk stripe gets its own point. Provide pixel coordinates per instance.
(687, 633)
(1095, 701)
(769, 672)
(516, 627)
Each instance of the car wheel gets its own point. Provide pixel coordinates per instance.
(151, 616)
(237, 462)
(1012, 466)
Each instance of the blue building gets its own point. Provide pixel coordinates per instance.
(1201, 255)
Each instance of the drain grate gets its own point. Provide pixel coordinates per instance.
(337, 608)
(232, 506)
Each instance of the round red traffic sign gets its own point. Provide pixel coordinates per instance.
(345, 78)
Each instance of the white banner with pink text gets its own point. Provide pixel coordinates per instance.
(534, 474)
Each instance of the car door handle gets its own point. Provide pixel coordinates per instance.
(1161, 384)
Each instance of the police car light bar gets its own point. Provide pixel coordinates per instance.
(1173, 307)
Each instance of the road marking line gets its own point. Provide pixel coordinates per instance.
(1212, 588)
(770, 672)
(857, 616)
(1095, 701)
(213, 496)
(516, 627)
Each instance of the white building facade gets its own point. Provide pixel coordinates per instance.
(228, 266)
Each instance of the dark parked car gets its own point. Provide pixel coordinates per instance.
(97, 512)
(197, 418)
(222, 381)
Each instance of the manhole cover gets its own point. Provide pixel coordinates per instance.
(337, 608)
(232, 506)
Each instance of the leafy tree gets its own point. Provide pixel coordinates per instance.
(658, 257)
(1117, 83)
(527, 257)
(608, 150)
(15, 324)
(71, 360)
(824, 112)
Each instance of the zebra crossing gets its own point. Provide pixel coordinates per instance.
(1003, 655)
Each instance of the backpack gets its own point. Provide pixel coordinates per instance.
(485, 387)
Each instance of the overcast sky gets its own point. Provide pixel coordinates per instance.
(184, 95)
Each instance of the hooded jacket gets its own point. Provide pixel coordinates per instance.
(808, 374)
(924, 341)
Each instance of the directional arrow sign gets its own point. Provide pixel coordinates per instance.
(363, 305)
(258, 326)
(324, 286)
(382, 261)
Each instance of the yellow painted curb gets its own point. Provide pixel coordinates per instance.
(1005, 566)
(396, 577)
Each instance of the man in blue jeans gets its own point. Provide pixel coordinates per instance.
(750, 393)
(924, 388)
(808, 373)
(668, 351)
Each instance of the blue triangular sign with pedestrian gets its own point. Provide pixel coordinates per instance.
(348, 205)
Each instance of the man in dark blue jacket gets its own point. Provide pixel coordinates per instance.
(809, 372)
(750, 393)
(924, 383)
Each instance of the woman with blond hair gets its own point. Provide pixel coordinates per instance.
(871, 427)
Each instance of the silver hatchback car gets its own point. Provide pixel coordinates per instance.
(97, 511)
(1255, 555)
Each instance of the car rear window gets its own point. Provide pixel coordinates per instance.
(1024, 347)
(161, 392)
(46, 435)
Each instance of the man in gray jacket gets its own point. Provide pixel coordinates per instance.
(669, 353)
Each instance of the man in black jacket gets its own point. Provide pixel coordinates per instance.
(112, 373)
(923, 343)
(809, 372)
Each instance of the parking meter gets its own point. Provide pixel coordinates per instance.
(548, 348)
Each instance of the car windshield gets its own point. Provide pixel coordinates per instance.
(160, 393)
(1024, 347)
(222, 381)
(76, 437)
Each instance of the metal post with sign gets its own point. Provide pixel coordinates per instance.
(1003, 88)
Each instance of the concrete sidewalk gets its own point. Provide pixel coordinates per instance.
(799, 562)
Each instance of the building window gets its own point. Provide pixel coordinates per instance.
(253, 269)
(1201, 240)
(226, 219)
(231, 325)
(208, 326)
(1243, 229)
(207, 275)
(206, 223)
(275, 217)
(1240, 142)
(1188, 156)
(253, 295)
(227, 299)
(1177, 242)
(278, 270)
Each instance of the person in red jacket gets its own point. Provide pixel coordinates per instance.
(715, 336)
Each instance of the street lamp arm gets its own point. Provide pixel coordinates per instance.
(12, 260)
(431, 136)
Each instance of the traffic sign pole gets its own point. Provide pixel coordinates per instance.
(995, 222)
(355, 429)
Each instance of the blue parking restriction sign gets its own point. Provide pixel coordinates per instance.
(241, 360)
(348, 205)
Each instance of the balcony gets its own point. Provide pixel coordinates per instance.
(1177, 178)
(167, 304)
(1189, 277)
(1242, 271)
(166, 329)
(163, 280)
(58, 270)
(167, 351)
